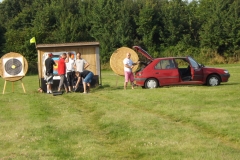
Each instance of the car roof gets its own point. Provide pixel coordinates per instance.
(173, 57)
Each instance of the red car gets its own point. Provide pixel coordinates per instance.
(176, 71)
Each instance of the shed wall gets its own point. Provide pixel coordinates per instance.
(89, 53)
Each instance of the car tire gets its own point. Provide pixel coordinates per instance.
(213, 80)
(151, 83)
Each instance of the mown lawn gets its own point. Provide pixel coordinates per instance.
(178, 122)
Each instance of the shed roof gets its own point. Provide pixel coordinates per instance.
(75, 44)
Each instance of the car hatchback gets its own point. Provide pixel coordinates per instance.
(176, 71)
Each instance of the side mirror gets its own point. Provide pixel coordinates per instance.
(201, 65)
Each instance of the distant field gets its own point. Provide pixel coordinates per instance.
(178, 122)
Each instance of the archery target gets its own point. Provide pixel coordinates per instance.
(13, 67)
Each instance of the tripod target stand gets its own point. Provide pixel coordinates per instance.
(13, 67)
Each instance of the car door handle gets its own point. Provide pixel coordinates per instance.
(157, 73)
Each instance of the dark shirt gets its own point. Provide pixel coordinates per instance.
(84, 73)
(49, 62)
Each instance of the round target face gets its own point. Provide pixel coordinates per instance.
(13, 66)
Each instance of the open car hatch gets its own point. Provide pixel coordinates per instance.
(143, 52)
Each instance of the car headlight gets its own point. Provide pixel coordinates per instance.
(226, 71)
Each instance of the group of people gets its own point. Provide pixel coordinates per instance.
(72, 73)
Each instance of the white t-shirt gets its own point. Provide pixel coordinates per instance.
(80, 63)
(69, 65)
(129, 62)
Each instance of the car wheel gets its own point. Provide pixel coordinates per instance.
(213, 80)
(151, 83)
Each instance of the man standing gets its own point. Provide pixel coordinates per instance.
(80, 64)
(128, 65)
(62, 72)
(49, 63)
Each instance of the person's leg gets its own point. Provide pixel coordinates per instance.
(61, 82)
(126, 74)
(68, 80)
(72, 81)
(48, 87)
(50, 83)
(88, 87)
(87, 80)
(125, 85)
(84, 87)
(131, 77)
(65, 83)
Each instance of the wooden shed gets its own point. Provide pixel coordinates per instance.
(88, 50)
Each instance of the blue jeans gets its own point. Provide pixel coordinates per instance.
(88, 78)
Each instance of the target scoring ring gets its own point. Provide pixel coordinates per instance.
(13, 66)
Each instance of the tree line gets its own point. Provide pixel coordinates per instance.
(201, 28)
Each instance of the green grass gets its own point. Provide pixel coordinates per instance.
(178, 122)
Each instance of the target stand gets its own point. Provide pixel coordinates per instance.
(13, 67)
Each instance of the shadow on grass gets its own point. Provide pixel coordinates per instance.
(108, 87)
(229, 84)
(200, 85)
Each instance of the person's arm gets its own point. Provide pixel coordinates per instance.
(74, 65)
(126, 65)
(54, 62)
(67, 59)
(136, 63)
(86, 64)
(133, 64)
(78, 82)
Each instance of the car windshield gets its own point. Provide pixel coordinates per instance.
(193, 62)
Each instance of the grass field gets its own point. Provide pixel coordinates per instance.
(178, 122)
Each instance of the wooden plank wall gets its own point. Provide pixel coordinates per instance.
(89, 53)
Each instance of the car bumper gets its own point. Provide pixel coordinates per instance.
(225, 77)
(140, 81)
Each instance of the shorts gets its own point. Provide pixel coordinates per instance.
(49, 78)
(88, 78)
(129, 76)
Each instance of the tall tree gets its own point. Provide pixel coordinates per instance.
(220, 30)
(175, 22)
(110, 24)
(148, 25)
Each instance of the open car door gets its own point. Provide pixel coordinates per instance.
(196, 70)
